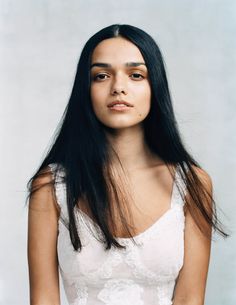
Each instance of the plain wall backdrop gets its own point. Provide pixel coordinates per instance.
(40, 44)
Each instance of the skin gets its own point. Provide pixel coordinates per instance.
(119, 81)
(127, 83)
(148, 175)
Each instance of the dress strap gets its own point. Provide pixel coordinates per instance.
(60, 189)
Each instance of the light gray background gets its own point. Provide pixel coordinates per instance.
(40, 45)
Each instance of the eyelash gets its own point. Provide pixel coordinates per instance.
(96, 76)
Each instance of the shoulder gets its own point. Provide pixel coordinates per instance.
(200, 203)
(204, 177)
(42, 192)
(43, 177)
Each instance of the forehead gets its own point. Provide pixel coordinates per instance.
(116, 49)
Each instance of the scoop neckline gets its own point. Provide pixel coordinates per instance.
(155, 223)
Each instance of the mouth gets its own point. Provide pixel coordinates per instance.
(119, 105)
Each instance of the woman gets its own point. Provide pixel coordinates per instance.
(118, 203)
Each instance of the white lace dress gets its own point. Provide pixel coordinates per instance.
(138, 275)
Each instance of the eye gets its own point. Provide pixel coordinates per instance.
(137, 76)
(100, 77)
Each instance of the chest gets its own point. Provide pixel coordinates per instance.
(148, 197)
(151, 194)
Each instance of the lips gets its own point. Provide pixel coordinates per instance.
(120, 102)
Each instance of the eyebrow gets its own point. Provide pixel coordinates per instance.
(127, 64)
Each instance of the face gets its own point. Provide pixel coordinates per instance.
(119, 76)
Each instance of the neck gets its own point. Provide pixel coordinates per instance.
(129, 144)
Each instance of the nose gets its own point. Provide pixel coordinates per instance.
(118, 91)
(118, 87)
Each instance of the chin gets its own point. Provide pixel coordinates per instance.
(120, 126)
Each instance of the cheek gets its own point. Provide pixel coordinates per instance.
(97, 101)
(93, 95)
(144, 101)
(142, 91)
(144, 97)
(98, 95)
(143, 111)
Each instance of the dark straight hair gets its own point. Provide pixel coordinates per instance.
(81, 148)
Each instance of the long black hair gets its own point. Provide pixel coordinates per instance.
(81, 148)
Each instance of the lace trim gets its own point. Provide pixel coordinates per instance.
(121, 291)
(140, 271)
(76, 290)
(60, 191)
(164, 294)
(105, 271)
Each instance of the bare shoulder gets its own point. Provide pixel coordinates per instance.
(203, 176)
(42, 196)
(44, 177)
(205, 179)
(206, 194)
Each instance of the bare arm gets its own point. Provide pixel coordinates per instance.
(191, 283)
(42, 241)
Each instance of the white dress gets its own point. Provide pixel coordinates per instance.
(138, 275)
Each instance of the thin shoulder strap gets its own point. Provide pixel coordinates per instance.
(60, 188)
